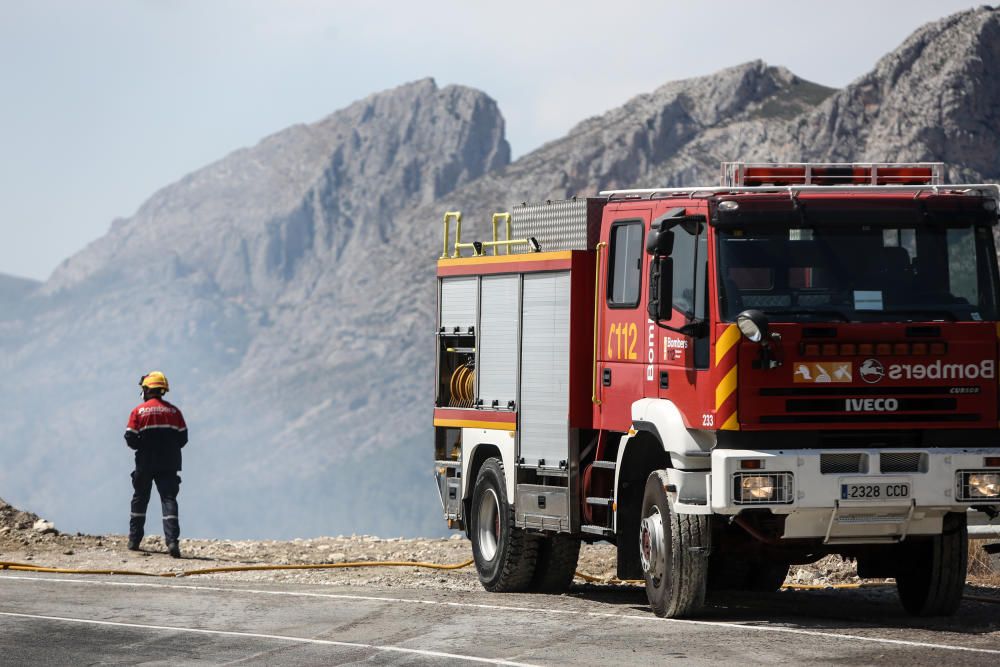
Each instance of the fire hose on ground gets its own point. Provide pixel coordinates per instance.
(589, 578)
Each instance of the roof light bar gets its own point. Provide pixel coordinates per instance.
(742, 174)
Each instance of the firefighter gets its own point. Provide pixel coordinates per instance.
(157, 432)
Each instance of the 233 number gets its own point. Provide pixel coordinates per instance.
(622, 339)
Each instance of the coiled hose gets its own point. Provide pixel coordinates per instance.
(463, 386)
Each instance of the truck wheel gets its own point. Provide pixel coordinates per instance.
(557, 558)
(732, 573)
(766, 577)
(505, 556)
(674, 550)
(727, 572)
(932, 578)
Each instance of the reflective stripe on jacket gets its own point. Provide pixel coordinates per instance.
(156, 431)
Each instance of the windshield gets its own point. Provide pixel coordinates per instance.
(853, 273)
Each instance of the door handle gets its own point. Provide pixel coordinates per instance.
(606, 377)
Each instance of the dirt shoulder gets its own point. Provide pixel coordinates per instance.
(25, 538)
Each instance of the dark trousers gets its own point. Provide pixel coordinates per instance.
(167, 485)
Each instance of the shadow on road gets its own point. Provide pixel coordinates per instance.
(836, 609)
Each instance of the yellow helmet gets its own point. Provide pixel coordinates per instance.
(155, 380)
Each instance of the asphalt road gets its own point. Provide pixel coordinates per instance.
(53, 620)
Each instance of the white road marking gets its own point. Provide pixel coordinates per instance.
(287, 638)
(535, 610)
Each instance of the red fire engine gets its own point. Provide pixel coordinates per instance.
(725, 381)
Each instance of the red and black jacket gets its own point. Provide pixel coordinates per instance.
(156, 431)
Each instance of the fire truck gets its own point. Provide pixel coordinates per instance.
(725, 381)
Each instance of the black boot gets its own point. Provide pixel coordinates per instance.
(133, 544)
(174, 549)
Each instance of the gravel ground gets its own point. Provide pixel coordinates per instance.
(24, 538)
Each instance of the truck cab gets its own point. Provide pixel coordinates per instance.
(799, 362)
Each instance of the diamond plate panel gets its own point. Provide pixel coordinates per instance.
(570, 224)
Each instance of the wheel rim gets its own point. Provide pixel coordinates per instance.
(652, 548)
(488, 525)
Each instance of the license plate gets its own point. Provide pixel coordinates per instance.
(874, 490)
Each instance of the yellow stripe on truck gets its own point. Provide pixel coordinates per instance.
(725, 388)
(731, 424)
(726, 341)
(470, 423)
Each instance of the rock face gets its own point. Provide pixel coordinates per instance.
(252, 282)
(935, 98)
(287, 289)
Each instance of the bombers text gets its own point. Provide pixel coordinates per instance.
(985, 369)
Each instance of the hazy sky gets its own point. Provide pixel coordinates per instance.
(106, 101)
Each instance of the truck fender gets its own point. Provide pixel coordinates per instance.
(504, 442)
(689, 449)
(686, 453)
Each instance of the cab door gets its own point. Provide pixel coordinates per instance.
(683, 358)
(622, 322)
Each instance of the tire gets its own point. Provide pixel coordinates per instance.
(932, 580)
(505, 556)
(674, 549)
(727, 572)
(766, 577)
(556, 565)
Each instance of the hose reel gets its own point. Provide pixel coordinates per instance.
(463, 386)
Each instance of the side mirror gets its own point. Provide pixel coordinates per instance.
(661, 287)
(660, 242)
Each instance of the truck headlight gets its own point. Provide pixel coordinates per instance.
(760, 487)
(978, 485)
(755, 488)
(984, 484)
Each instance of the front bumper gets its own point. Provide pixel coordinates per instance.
(813, 486)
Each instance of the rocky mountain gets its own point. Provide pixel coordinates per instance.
(935, 98)
(13, 288)
(241, 281)
(287, 289)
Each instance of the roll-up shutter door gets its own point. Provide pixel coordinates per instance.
(497, 368)
(459, 302)
(544, 409)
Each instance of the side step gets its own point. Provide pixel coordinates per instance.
(598, 501)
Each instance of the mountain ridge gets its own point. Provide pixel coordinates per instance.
(287, 289)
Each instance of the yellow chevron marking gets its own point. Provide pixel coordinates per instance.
(731, 424)
(729, 337)
(725, 388)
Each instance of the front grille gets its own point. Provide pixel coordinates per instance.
(842, 405)
(865, 439)
(834, 464)
(863, 517)
(881, 418)
(902, 462)
(847, 391)
(781, 481)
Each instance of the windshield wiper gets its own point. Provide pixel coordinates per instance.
(934, 312)
(819, 312)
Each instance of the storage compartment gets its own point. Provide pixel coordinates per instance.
(544, 428)
(459, 300)
(456, 371)
(542, 507)
(448, 476)
(500, 328)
